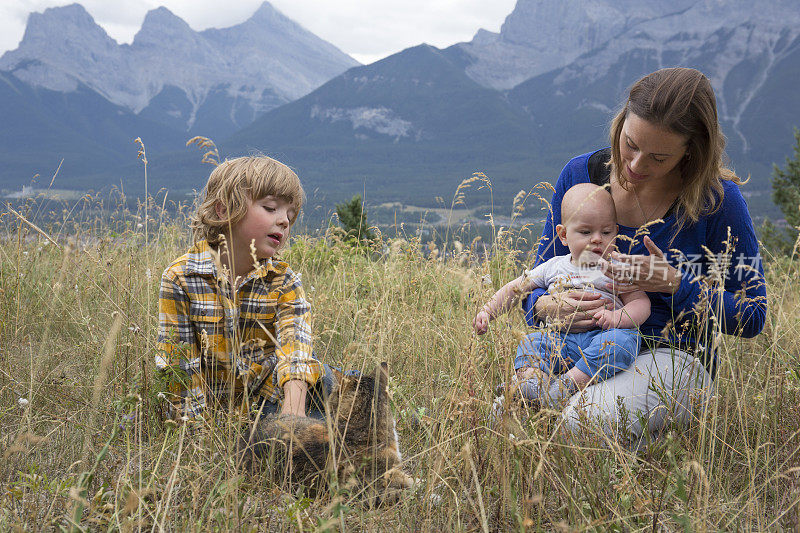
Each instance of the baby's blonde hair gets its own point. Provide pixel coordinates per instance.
(584, 194)
(237, 182)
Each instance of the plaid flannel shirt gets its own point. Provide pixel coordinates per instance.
(210, 345)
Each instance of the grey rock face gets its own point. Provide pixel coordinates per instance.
(265, 61)
(737, 43)
(544, 35)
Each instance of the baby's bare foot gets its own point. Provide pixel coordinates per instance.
(531, 373)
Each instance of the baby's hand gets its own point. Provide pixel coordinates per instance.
(481, 322)
(607, 319)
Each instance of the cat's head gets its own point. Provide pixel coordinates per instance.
(356, 398)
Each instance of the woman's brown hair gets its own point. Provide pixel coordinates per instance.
(681, 100)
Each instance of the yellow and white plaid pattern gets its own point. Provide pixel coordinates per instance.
(210, 345)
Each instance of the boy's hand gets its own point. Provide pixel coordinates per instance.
(607, 319)
(294, 398)
(481, 322)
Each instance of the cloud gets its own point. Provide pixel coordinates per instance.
(378, 28)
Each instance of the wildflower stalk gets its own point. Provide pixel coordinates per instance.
(143, 156)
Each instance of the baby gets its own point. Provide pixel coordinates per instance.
(589, 231)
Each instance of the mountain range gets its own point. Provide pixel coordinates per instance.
(71, 92)
(514, 104)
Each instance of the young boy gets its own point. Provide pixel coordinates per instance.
(234, 323)
(578, 358)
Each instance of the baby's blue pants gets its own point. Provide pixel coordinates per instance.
(600, 352)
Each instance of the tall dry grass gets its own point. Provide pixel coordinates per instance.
(84, 445)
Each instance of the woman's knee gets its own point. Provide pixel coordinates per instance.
(603, 424)
(587, 413)
(609, 409)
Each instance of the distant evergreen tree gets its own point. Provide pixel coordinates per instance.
(786, 195)
(353, 218)
(786, 185)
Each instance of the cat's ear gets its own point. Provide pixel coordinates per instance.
(337, 374)
(382, 374)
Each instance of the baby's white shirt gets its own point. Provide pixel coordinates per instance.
(559, 274)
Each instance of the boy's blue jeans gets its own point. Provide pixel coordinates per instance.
(600, 352)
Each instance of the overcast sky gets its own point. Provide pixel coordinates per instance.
(366, 29)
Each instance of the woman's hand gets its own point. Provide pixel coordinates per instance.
(651, 273)
(575, 309)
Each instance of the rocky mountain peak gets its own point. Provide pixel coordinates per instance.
(161, 25)
(74, 14)
(264, 24)
(484, 37)
(173, 72)
(161, 16)
(60, 48)
(265, 13)
(71, 23)
(581, 25)
(423, 58)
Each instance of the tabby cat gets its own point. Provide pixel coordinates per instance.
(359, 438)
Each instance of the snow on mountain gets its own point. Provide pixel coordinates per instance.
(378, 119)
(224, 75)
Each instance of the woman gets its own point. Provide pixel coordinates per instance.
(674, 199)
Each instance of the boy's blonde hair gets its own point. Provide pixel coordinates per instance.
(234, 184)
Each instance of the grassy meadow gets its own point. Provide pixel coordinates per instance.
(84, 445)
